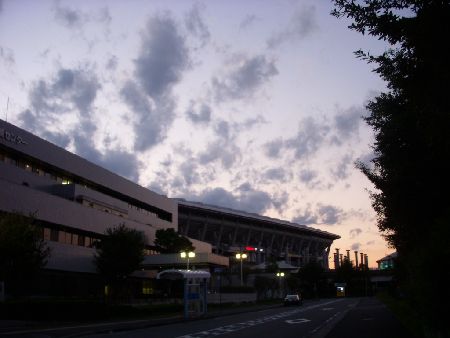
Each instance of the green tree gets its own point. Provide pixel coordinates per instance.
(411, 121)
(118, 255)
(23, 252)
(169, 241)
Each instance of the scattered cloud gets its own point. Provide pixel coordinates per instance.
(7, 56)
(341, 171)
(244, 78)
(273, 148)
(356, 246)
(322, 214)
(370, 242)
(199, 114)
(276, 174)
(310, 137)
(195, 24)
(346, 124)
(302, 24)
(355, 232)
(248, 21)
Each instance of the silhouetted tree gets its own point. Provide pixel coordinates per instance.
(23, 252)
(169, 241)
(118, 255)
(311, 276)
(411, 121)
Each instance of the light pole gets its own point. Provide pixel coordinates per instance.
(280, 275)
(187, 255)
(241, 256)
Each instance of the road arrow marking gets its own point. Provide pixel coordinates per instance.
(297, 321)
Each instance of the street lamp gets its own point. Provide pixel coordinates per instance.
(280, 275)
(187, 255)
(241, 256)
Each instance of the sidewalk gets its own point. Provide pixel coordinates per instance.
(15, 328)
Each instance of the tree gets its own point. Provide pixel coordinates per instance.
(23, 252)
(169, 241)
(411, 122)
(119, 254)
(310, 276)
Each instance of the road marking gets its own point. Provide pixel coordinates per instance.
(297, 321)
(328, 308)
(243, 325)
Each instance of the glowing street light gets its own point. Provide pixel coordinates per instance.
(241, 256)
(187, 255)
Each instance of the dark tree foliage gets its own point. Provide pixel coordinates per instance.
(411, 123)
(23, 252)
(169, 241)
(119, 253)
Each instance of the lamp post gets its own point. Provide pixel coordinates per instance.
(187, 255)
(241, 256)
(280, 275)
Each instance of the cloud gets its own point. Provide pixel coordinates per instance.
(225, 152)
(151, 119)
(276, 174)
(69, 18)
(7, 57)
(355, 232)
(247, 21)
(163, 57)
(302, 24)
(273, 148)
(346, 124)
(370, 242)
(329, 214)
(200, 114)
(341, 171)
(246, 76)
(246, 198)
(322, 214)
(356, 246)
(69, 91)
(280, 201)
(195, 24)
(310, 136)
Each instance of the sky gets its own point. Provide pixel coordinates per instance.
(254, 105)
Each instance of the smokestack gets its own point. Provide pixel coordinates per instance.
(366, 261)
(356, 259)
(348, 255)
(341, 258)
(362, 260)
(336, 258)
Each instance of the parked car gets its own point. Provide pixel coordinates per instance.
(294, 299)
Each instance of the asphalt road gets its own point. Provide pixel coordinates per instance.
(327, 318)
(310, 320)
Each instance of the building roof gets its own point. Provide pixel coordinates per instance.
(244, 214)
(388, 257)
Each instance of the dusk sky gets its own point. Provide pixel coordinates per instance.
(251, 105)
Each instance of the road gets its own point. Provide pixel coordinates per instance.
(327, 318)
(310, 320)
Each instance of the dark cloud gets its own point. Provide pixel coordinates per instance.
(151, 119)
(163, 57)
(342, 170)
(323, 214)
(189, 171)
(69, 91)
(222, 129)
(112, 63)
(273, 148)
(246, 199)
(309, 139)
(347, 124)
(307, 175)
(329, 214)
(68, 17)
(306, 217)
(195, 24)
(302, 24)
(200, 114)
(7, 56)
(276, 174)
(280, 201)
(225, 152)
(355, 232)
(245, 78)
(356, 246)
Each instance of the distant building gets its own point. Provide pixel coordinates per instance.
(387, 262)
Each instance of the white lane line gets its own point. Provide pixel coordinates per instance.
(243, 325)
